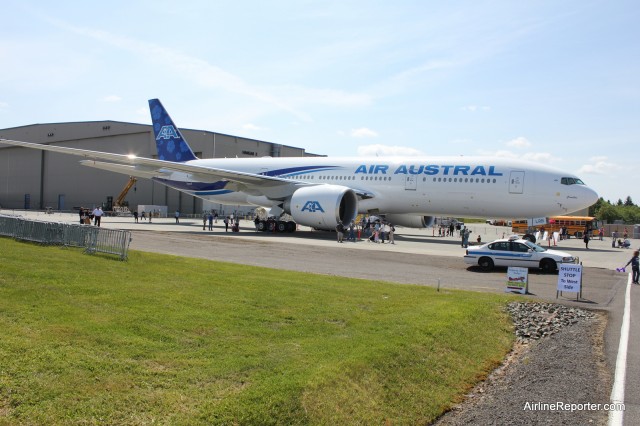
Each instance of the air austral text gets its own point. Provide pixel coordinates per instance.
(429, 169)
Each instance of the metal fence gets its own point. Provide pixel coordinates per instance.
(92, 238)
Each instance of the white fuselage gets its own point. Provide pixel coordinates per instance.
(457, 186)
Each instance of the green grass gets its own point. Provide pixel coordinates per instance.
(172, 340)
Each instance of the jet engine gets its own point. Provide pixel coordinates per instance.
(322, 206)
(410, 220)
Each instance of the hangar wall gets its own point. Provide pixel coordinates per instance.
(39, 179)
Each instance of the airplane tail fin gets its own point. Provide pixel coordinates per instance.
(169, 141)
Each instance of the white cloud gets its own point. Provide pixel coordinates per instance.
(3, 105)
(387, 151)
(424, 68)
(251, 127)
(112, 98)
(363, 132)
(285, 97)
(536, 157)
(519, 142)
(599, 166)
(540, 157)
(474, 108)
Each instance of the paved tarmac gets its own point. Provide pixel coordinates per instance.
(418, 257)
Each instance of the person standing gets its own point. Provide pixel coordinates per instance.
(204, 220)
(210, 217)
(135, 215)
(340, 231)
(226, 224)
(97, 216)
(602, 233)
(586, 240)
(352, 231)
(635, 267)
(177, 216)
(465, 237)
(392, 230)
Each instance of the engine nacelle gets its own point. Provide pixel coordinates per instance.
(410, 220)
(322, 206)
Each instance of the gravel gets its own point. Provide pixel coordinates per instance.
(557, 359)
(533, 321)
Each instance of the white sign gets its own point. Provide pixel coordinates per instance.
(517, 280)
(569, 277)
(537, 221)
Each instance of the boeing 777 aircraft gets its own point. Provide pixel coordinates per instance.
(322, 191)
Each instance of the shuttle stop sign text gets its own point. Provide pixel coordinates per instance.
(569, 277)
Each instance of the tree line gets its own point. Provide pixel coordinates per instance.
(608, 212)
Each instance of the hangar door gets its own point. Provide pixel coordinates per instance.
(516, 182)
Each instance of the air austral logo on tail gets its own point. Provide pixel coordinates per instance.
(168, 132)
(429, 169)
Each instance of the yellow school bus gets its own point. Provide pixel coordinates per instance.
(575, 225)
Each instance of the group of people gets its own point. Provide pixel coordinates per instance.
(373, 229)
(623, 242)
(448, 230)
(87, 215)
(144, 216)
(209, 218)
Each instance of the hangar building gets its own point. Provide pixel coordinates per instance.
(34, 179)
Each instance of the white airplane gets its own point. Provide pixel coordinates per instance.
(321, 191)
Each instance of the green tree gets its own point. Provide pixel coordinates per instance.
(593, 210)
(628, 201)
(630, 214)
(608, 213)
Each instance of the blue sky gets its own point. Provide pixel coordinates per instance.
(553, 82)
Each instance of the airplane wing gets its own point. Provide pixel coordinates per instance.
(254, 184)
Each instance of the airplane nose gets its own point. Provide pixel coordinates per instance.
(590, 195)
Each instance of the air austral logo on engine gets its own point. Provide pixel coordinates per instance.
(167, 132)
(312, 206)
(430, 169)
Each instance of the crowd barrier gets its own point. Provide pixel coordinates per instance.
(92, 238)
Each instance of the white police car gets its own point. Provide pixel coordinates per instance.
(515, 251)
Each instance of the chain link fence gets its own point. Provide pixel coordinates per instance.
(93, 239)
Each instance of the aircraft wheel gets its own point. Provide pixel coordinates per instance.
(282, 226)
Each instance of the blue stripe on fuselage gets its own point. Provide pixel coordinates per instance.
(296, 171)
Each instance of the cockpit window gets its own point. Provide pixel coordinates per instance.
(571, 181)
